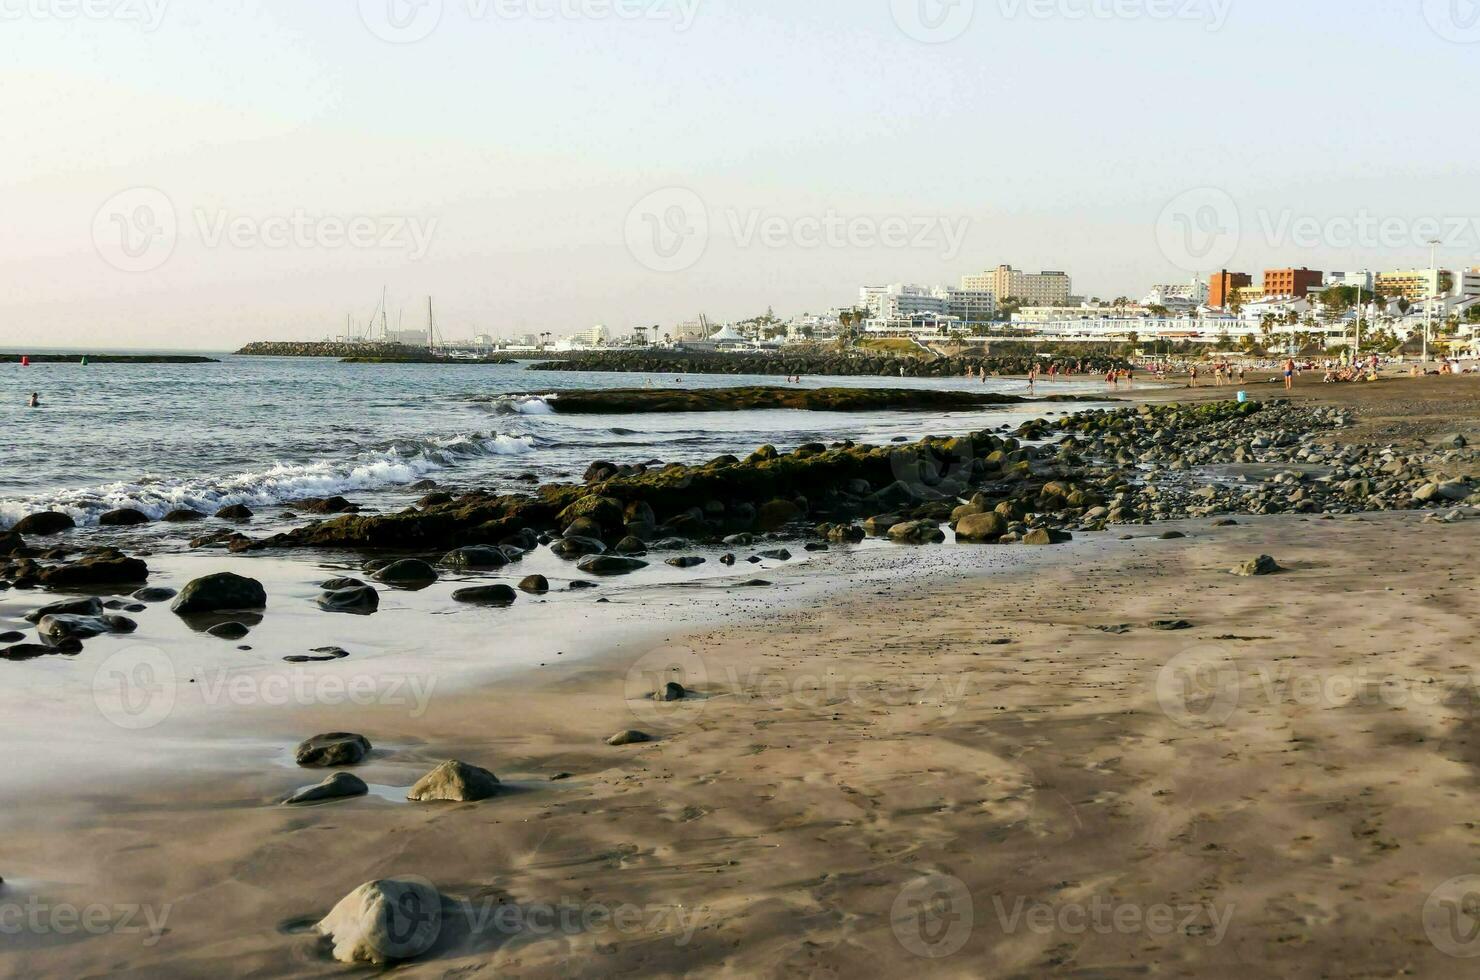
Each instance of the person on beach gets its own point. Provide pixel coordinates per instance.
(35, 401)
(1192, 376)
(1032, 378)
(1289, 374)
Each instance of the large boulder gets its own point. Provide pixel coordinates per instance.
(981, 528)
(1263, 565)
(535, 585)
(607, 513)
(383, 922)
(123, 517)
(773, 515)
(183, 515)
(610, 565)
(338, 786)
(358, 599)
(575, 547)
(407, 571)
(235, 512)
(220, 592)
(331, 750)
(98, 570)
(92, 606)
(46, 522)
(476, 557)
(917, 532)
(486, 595)
(1045, 536)
(456, 782)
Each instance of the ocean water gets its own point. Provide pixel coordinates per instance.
(266, 431)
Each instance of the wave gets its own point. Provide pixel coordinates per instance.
(523, 405)
(400, 462)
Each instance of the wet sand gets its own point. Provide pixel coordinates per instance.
(1001, 773)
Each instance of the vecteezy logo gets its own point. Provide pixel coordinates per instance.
(136, 230)
(1454, 20)
(933, 21)
(412, 918)
(668, 230)
(932, 916)
(401, 21)
(135, 687)
(1451, 917)
(1199, 230)
(1199, 686)
(646, 685)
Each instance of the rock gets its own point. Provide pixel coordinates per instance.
(1263, 565)
(629, 737)
(917, 532)
(981, 528)
(1227, 522)
(183, 515)
(123, 517)
(435, 500)
(456, 782)
(1455, 441)
(359, 600)
(35, 651)
(777, 554)
(571, 548)
(1170, 625)
(383, 922)
(235, 512)
(155, 594)
(671, 691)
(687, 562)
(228, 631)
(12, 636)
(337, 787)
(331, 750)
(47, 522)
(776, 514)
(331, 585)
(220, 592)
(610, 565)
(321, 655)
(54, 629)
(486, 595)
(325, 505)
(535, 585)
(631, 545)
(476, 557)
(1045, 536)
(91, 606)
(97, 570)
(1171, 536)
(407, 571)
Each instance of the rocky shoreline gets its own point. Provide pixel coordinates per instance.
(854, 364)
(612, 401)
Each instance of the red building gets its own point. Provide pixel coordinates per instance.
(1222, 285)
(1292, 282)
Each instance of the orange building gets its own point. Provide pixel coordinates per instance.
(1292, 282)
(1222, 285)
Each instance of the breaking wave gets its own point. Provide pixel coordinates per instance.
(398, 463)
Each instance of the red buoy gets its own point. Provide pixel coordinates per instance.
(25, 361)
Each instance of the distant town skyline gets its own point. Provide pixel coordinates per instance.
(192, 177)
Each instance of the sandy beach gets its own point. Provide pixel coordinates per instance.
(1112, 757)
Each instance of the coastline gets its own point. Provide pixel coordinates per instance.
(882, 736)
(884, 739)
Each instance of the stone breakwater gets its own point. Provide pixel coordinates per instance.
(829, 364)
(615, 401)
(109, 359)
(360, 353)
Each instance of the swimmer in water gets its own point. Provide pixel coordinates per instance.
(35, 401)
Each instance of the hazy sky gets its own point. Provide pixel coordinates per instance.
(183, 173)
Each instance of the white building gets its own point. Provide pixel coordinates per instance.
(600, 335)
(409, 338)
(1032, 289)
(1179, 298)
(903, 300)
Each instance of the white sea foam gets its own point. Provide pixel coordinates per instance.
(524, 405)
(404, 461)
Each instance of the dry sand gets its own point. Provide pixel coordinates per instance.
(971, 781)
